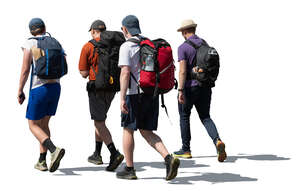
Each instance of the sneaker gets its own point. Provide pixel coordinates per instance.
(56, 156)
(115, 161)
(172, 167)
(95, 158)
(42, 166)
(127, 174)
(182, 154)
(221, 151)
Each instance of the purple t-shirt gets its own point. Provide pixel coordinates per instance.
(187, 52)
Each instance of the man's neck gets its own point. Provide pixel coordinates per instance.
(95, 36)
(189, 35)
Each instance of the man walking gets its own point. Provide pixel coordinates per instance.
(99, 101)
(43, 96)
(192, 93)
(139, 111)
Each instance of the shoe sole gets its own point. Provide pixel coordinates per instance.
(221, 152)
(116, 164)
(127, 177)
(183, 156)
(95, 162)
(55, 164)
(40, 169)
(174, 168)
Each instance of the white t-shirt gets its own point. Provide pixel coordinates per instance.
(36, 81)
(129, 56)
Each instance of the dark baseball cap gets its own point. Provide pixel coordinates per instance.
(132, 24)
(36, 23)
(98, 24)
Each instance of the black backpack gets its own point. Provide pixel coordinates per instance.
(108, 76)
(52, 64)
(206, 58)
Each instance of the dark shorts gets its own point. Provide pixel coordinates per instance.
(143, 112)
(99, 102)
(43, 101)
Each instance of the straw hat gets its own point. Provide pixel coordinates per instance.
(187, 24)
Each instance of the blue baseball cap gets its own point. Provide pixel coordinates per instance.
(131, 22)
(36, 23)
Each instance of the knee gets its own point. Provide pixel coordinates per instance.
(145, 133)
(205, 119)
(99, 124)
(34, 123)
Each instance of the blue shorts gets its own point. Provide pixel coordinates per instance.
(143, 112)
(43, 101)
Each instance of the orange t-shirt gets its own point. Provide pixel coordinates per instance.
(87, 60)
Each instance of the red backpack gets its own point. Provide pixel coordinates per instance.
(157, 67)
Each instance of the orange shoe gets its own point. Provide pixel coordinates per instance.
(221, 151)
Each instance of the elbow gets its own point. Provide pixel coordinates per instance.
(125, 73)
(182, 73)
(84, 74)
(25, 72)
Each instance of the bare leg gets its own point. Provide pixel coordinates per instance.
(103, 132)
(128, 146)
(155, 141)
(97, 135)
(37, 131)
(45, 128)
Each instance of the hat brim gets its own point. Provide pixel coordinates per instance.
(187, 27)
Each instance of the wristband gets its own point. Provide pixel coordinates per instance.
(180, 90)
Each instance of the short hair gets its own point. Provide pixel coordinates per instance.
(38, 31)
(191, 30)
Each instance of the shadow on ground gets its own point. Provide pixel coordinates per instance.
(139, 166)
(261, 157)
(208, 177)
(189, 163)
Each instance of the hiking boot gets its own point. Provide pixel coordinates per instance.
(95, 158)
(42, 166)
(115, 161)
(56, 156)
(172, 167)
(127, 174)
(182, 154)
(221, 151)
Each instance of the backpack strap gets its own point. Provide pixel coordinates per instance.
(96, 45)
(195, 46)
(134, 40)
(138, 85)
(163, 104)
(31, 76)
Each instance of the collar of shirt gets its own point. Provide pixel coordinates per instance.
(193, 37)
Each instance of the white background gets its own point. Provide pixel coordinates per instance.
(255, 103)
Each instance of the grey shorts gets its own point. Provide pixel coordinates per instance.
(99, 102)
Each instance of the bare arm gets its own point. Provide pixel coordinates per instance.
(182, 79)
(27, 58)
(84, 73)
(124, 83)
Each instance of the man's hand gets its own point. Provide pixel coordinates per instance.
(123, 106)
(181, 98)
(84, 73)
(21, 97)
(197, 69)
